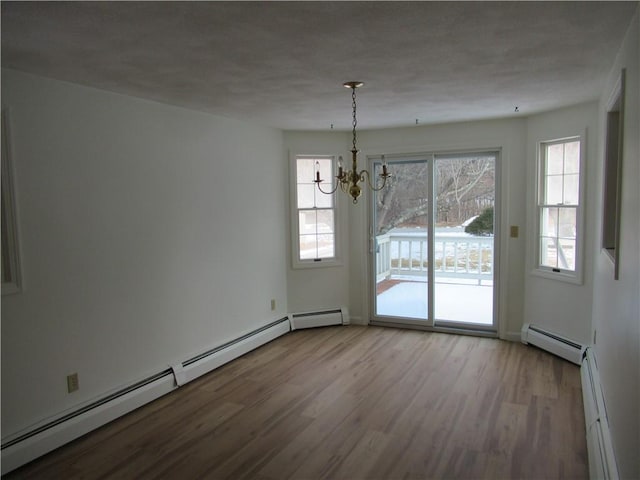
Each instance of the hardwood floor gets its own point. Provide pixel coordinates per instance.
(350, 403)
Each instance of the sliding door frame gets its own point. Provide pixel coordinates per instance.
(403, 160)
(431, 324)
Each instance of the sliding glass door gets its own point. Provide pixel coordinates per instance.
(433, 242)
(401, 216)
(464, 246)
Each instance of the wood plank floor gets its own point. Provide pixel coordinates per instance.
(350, 403)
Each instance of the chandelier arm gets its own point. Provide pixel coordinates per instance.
(365, 174)
(326, 193)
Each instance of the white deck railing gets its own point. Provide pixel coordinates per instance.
(456, 256)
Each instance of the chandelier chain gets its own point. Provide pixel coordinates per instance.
(355, 121)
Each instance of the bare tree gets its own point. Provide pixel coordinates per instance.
(405, 200)
(464, 187)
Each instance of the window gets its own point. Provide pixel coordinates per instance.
(314, 212)
(559, 208)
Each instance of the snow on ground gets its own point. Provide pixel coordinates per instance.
(453, 302)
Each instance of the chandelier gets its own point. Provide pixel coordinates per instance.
(349, 180)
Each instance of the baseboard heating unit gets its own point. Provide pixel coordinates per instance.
(324, 318)
(42, 438)
(552, 342)
(602, 462)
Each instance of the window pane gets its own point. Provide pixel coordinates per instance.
(316, 239)
(567, 223)
(553, 190)
(554, 157)
(326, 246)
(571, 189)
(566, 254)
(305, 170)
(325, 221)
(572, 157)
(307, 221)
(549, 222)
(308, 247)
(309, 195)
(548, 252)
(306, 196)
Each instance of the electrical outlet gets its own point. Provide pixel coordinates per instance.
(273, 304)
(73, 383)
(514, 231)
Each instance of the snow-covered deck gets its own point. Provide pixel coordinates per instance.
(456, 300)
(463, 268)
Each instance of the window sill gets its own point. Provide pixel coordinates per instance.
(323, 263)
(561, 276)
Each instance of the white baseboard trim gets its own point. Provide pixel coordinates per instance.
(36, 445)
(217, 357)
(552, 342)
(320, 318)
(602, 459)
(51, 434)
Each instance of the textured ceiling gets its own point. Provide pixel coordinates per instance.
(283, 63)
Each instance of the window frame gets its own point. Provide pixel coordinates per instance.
(571, 276)
(612, 174)
(296, 261)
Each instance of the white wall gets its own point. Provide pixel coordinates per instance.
(509, 135)
(148, 234)
(559, 306)
(616, 304)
